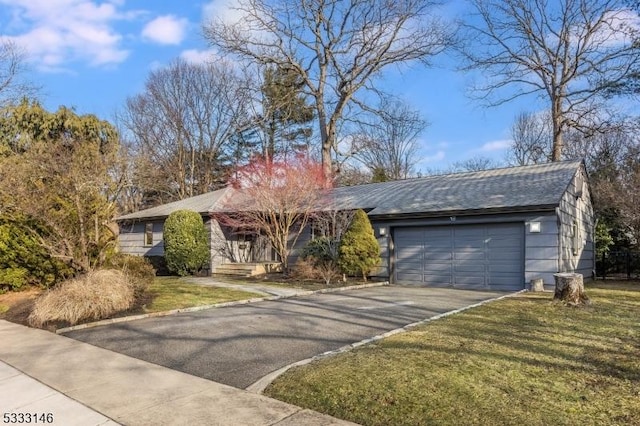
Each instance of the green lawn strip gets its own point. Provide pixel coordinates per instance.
(520, 361)
(170, 293)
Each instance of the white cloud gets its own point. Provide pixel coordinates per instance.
(166, 29)
(223, 10)
(438, 156)
(196, 56)
(55, 32)
(497, 145)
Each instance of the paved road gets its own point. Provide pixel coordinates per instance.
(240, 344)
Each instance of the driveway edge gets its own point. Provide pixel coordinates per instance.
(216, 305)
(260, 385)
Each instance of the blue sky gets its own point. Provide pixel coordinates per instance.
(92, 55)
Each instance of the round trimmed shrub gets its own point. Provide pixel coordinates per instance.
(359, 250)
(186, 248)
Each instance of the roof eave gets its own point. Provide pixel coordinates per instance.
(472, 212)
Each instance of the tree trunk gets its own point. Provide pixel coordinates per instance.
(557, 123)
(570, 289)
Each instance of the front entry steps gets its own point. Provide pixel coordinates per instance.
(247, 269)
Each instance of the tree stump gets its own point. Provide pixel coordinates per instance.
(570, 289)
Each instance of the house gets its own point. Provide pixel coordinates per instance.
(494, 229)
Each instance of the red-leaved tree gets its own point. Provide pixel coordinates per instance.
(275, 198)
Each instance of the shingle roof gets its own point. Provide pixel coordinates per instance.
(513, 187)
(202, 204)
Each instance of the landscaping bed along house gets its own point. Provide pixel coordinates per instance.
(525, 360)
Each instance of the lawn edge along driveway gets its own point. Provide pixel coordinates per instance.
(260, 385)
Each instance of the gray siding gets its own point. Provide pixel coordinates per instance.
(296, 250)
(541, 249)
(131, 239)
(577, 222)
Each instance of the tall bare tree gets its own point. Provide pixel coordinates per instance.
(185, 127)
(532, 139)
(338, 47)
(387, 144)
(569, 52)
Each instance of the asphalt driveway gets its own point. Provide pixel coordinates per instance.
(238, 345)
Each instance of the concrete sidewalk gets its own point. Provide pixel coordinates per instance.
(22, 395)
(124, 389)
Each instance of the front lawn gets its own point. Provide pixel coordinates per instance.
(168, 293)
(520, 361)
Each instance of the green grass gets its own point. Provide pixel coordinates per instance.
(3, 309)
(520, 361)
(169, 293)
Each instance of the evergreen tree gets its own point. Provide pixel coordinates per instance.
(359, 250)
(186, 249)
(286, 115)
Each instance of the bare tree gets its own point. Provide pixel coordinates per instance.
(185, 128)
(531, 134)
(277, 200)
(13, 86)
(569, 52)
(338, 47)
(388, 144)
(474, 164)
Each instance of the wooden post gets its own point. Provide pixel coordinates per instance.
(570, 289)
(537, 284)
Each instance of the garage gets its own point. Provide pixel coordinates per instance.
(482, 257)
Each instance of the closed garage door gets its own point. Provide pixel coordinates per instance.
(461, 256)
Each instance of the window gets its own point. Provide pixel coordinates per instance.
(148, 234)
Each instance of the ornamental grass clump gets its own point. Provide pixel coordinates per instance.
(93, 296)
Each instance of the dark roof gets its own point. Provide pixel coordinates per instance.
(499, 189)
(536, 186)
(202, 204)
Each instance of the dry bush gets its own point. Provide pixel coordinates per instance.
(93, 296)
(139, 269)
(305, 269)
(310, 268)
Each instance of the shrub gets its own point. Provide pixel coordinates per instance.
(186, 249)
(359, 251)
(23, 261)
(93, 296)
(320, 254)
(159, 263)
(305, 269)
(139, 270)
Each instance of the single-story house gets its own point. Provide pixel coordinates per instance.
(494, 229)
